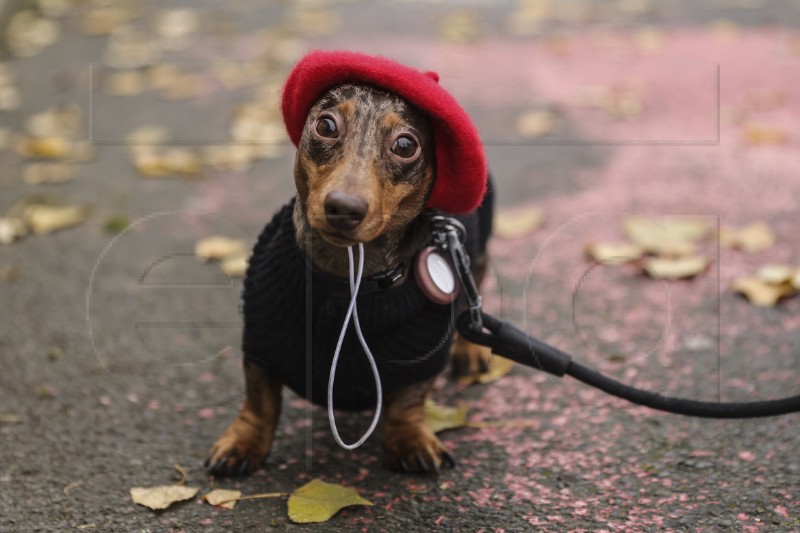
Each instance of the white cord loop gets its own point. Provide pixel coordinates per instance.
(352, 312)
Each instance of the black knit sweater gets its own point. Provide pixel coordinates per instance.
(293, 316)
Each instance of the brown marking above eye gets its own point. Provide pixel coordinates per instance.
(405, 147)
(392, 121)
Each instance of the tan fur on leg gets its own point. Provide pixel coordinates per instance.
(248, 440)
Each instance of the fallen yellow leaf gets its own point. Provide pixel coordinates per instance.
(649, 38)
(751, 238)
(755, 134)
(314, 21)
(795, 281)
(222, 498)
(103, 21)
(317, 501)
(441, 418)
(537, 123)
(235, 267)
(499, 367)
(219, 247)
(161, 497)
(11, 229)
(147, 136)
(675, 268)
(668, 236)
(460, 27)
(45, 147)
(614, 253)
(124, 83)
(761, 293)
(38, 173)
(43, 219)
(512, 224)
(776, 274)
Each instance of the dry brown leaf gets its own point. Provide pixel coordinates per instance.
(512, 224)
(760, 293)
(441, 418)
(760, 135)
(667, 236)
(130, 47)
(59, 121)
(537, 123)
(176, 26)
(54, 8)
(751, 238)
(724, 30)
(38, 173)
(148, 136)
(125, 83)
(621, 101)
(318, 22)
(776, 274)
(614, 253)
(795, 281)
(499, 367)
(675, 268)
(161, 76)
(635, 7)
(44, 148)
(104, 20)
(11, 229)
(220, 247)
(183, 87)
(649, 38)
(460, 27)
(10, 273)
(235, 267)
(28, 34)
(181, 161)
(317, 501)
(161, 497)
(234, 157)
(528, 19)
(43, 219)
(156, 162)
(764, 100)
(222, 498)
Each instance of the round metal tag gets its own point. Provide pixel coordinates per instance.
(435, 276)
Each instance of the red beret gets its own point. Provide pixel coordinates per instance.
(460, 160)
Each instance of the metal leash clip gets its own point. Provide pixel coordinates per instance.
(449, 235)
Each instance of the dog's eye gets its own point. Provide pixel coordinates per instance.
(404, 147)
(326, 127)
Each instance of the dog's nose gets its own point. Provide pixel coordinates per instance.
(345, 211)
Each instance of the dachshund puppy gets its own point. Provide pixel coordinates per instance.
(365, 169)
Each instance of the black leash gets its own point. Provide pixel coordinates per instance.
(513, 343)
(510, 342)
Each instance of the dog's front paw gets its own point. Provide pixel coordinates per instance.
(469, 358)
(415, 449)
(240, 450)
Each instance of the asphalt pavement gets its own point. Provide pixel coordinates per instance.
(119, 350)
